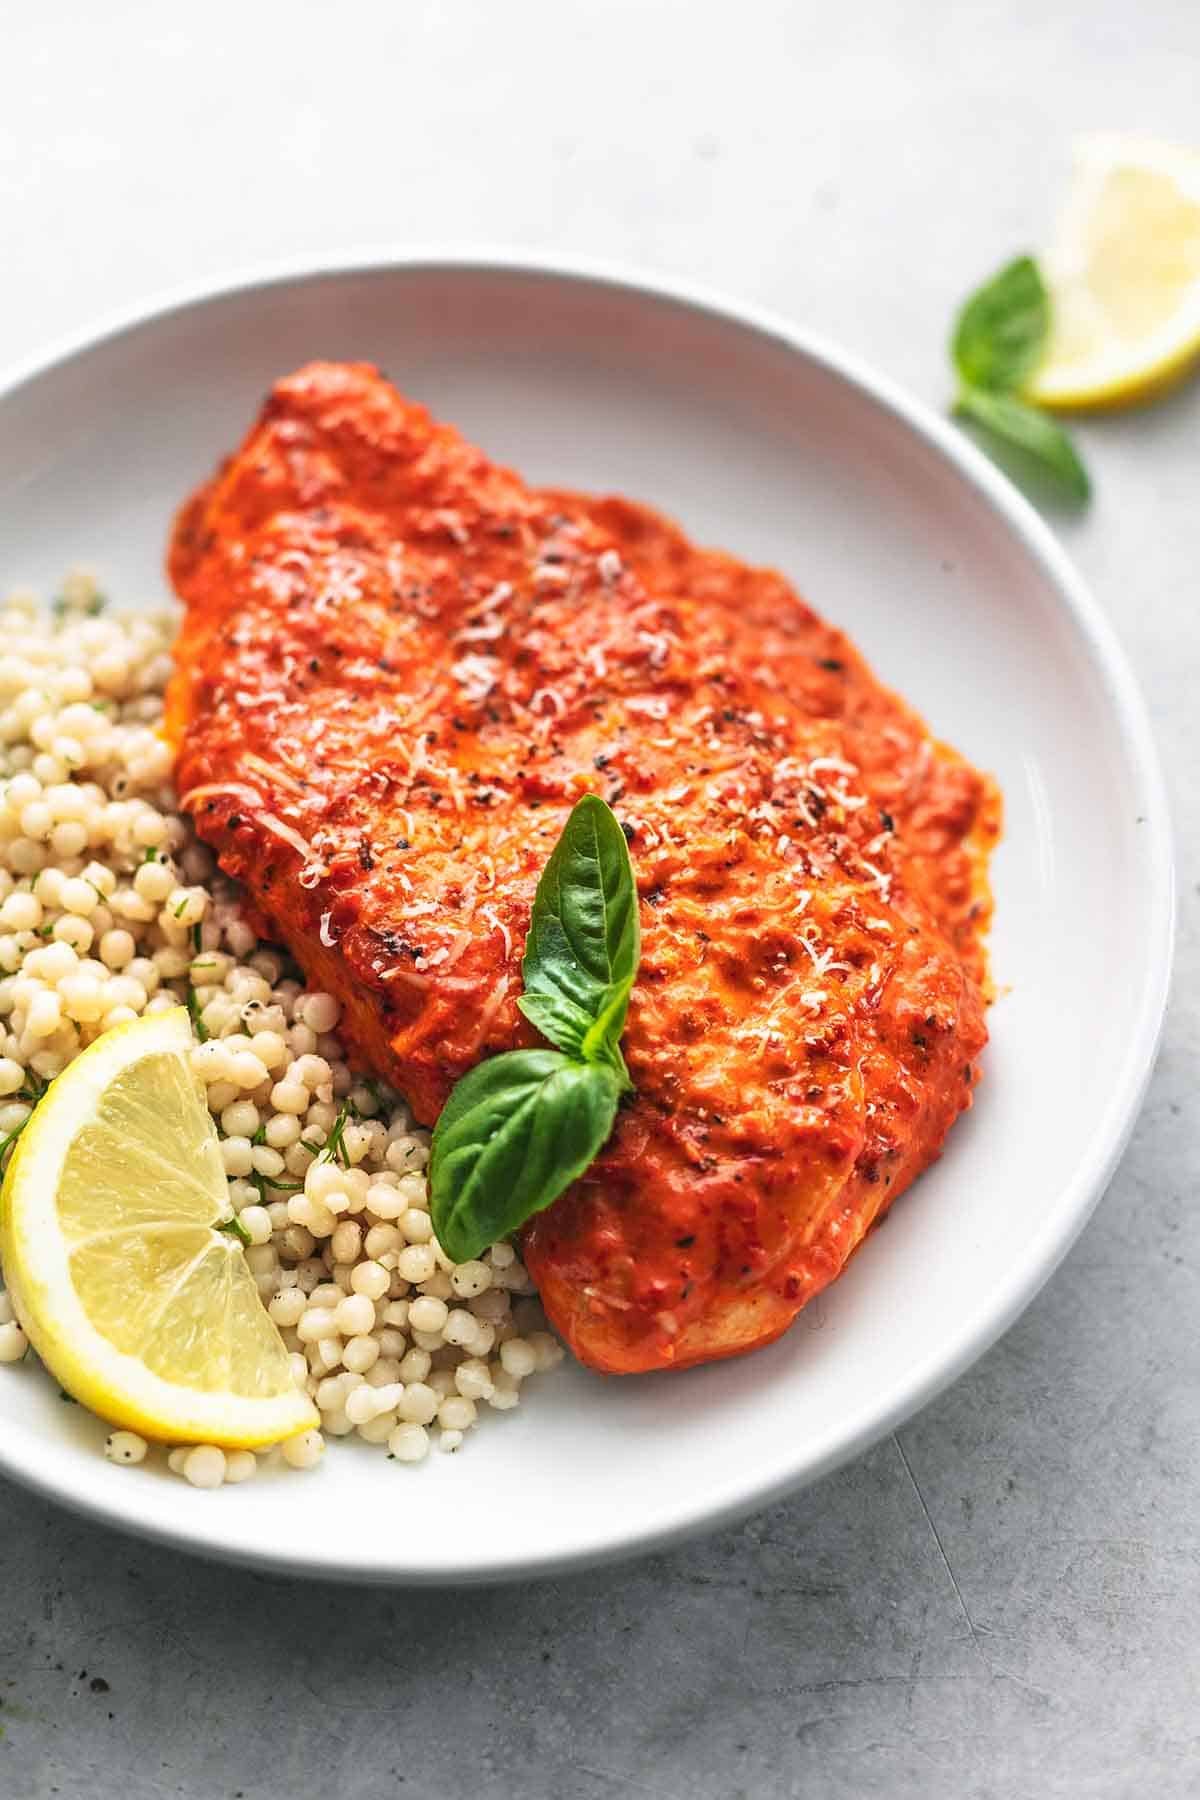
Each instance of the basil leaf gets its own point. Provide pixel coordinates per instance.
(516, 1131)
(1002, 328)
(603, 1040)
(584, 941)
(1039, 441)
(568, 1026)
(558, 1019)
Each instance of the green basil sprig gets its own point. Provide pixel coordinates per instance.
(521, 1127)
(998, 337)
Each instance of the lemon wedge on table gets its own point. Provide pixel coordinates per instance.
(1124, 276)
(140, 1307)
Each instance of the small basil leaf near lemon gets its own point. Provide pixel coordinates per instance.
(519, 1128)
(114, 1237)
(1002, 328)
(513, 1136)
(1032, 434)
(999, 338)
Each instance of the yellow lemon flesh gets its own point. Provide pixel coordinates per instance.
(141, 1308)
(1124, 277)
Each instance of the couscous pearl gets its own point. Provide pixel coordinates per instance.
(362, 1405)
(290, 1097)
(257, 1222)
(68, 839)
(313, 1071)
(518, 1358)
(298, 1244)
(323, 1180)
(21, 912)
(460, 1327)
(282, 1131)
(449, 1441)
(547, 1350)
(247, 1070)
(427, 1340)
(370, 1280)
(470, 1279)
(240, 1119)
(287, 1307)
(304, 1451)
(361, 1353)
(79, 896)
(204, 1466)
(123, 990)
(415, 1365)
(125, 1447)
(419, 1404)
(71, 929)
(37, 820)
(12, 1075)
(321, 1012)
(428, 1314)
(240, 1465)
(317, 1322)
(13, 1342)
(456, 1413)
(416, 1226)
(379, 1429)
(355, 1316)
(472, 1379)
(235, 1155)
(45, 1015)
(346, 1243)
(438, 1285)
(381, 1240)
(409, 1443)
(330, 1394)
(416, 1263)
(270, 1049)
(154, 881)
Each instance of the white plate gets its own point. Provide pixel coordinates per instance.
(787, 452)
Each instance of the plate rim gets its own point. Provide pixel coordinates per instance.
(1076, 1199)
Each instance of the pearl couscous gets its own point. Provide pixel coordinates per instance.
(111, 908)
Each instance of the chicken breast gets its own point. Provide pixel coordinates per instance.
(399, 669)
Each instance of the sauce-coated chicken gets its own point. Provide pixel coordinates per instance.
(400, 667)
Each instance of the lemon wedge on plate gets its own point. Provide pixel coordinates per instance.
(137, 1303)
(1124, 277)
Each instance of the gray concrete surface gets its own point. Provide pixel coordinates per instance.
(1004, 1602)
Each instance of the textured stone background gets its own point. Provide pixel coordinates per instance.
(1005, 1600)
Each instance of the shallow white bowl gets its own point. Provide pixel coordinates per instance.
(789, 453)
